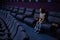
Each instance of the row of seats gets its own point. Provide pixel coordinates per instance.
(4, 34)
(31, 19)
(22, 14)
(29, 16)
(14, 26)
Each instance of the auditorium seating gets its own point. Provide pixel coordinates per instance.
(56, 14)
(13, 15)
(46, 27)
(20, 14)
(30, 11)
(29, 21)
(36, 14)
(54, 19)
(13, 26)
(14, 9)
(21, 10)
(3, 31)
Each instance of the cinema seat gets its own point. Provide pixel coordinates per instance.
(11, 23)
(21, 11)
(56, 14)
(36, 11)
(1, 11)
(13, 14)
(14, 28)
(36, 15)
(7, 19)
(54, 19)
(21, 34)
(11, 20)
(21, 8)
(10, 8)
(29, 9)
(29, 20)
(20, 17)
(15, 9)
(46, 27)
(28, 13)
(3, 30)
(7, 8)
(58, 33)
(4, 14)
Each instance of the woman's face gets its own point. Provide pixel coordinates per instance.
(40, 10)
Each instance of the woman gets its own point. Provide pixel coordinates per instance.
(42, 19)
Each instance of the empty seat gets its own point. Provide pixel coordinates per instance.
(21, 35)
(10, 8)
(29, 20)
(20, 17)
(5, 14)
(54, 19)
(14, 28)
(36, 11)
(29, 9)
(3, 31)
(46, 27)
(16, 7)
(21, 11)
(56, 14)
(7, 8)
(21, 8)
(36, 15)
(10, 21)
(10, 24)
(13, 14)
(28, 13)
(8, 18)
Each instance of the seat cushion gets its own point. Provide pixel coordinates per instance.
(14, 10)
(29, 9)
(28, 13)
(36, 15)
(20, 16)
(46, 26)
(21, 11)
(29, 20)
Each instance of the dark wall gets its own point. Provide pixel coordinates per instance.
(2, 3)
(47, 6)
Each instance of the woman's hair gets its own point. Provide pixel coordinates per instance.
(42, 10)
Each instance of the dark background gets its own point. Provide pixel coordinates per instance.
(54, 5)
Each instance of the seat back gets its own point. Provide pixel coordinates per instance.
(54, 19)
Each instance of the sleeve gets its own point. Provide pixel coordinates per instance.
(46, 17)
